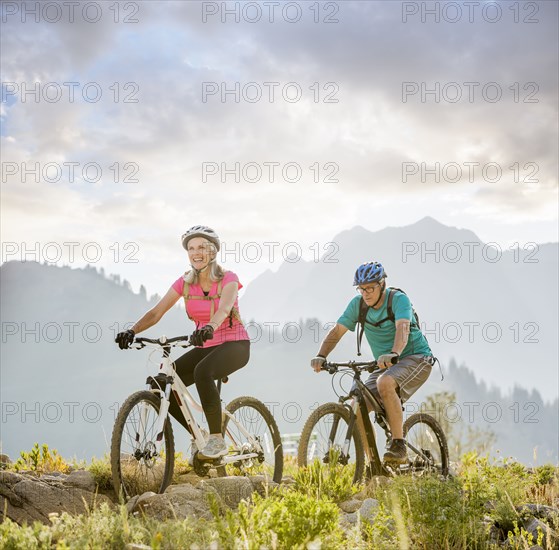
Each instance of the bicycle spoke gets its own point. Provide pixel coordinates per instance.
(256, 438)
(141, 468)
(426, 444)
(324, 436)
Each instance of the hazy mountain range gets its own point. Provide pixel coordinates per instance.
(492, 307)
(62, 377)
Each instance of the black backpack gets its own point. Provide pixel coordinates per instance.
(364, 308)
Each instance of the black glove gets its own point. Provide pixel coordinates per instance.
(124, 339)
(198, 337)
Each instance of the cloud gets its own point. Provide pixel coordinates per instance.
(171, 131)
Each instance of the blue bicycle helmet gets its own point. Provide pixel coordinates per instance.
(369, 272)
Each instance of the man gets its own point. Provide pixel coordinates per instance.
(401, 350)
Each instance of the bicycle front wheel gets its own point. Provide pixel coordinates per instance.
(136, 464)
(252, 430)
(324, 436)
(427, 445)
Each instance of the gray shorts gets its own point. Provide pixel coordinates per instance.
(410, 373)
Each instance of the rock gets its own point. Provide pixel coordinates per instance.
(368, 510)
(10, 478)
(131, 504)
(348, 520)
(7, 492)
(549, 513)
(56, 479)
(132, 546)
(378, 481)
(263, 485)
(349, 506)
(5, 461)
(144, 497)
(82, 479)
(534, 526)
(178, 501)
(231, 489)
(27, 498)
(494, 534)
(287, 481)
(189, 477)
(453, 470)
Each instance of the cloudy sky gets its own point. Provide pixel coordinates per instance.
(369, 98)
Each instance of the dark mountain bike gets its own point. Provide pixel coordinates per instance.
(332, 432)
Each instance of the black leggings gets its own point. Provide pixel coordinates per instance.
(204, 365)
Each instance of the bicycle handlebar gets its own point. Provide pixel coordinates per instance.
(356, 366)
(162, 341)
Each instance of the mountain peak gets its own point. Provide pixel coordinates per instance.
(428, 221)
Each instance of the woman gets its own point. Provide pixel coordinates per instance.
(222, 343)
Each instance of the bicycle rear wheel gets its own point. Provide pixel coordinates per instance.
(135, 464)
(427, 445)
(252, 417)
(323, 439)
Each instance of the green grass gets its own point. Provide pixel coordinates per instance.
(331, 480)
(415, 513)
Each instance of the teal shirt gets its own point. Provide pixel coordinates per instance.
(381, 339)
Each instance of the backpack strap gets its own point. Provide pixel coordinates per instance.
(389, 316)
(364, 308)
(233, 314)
(362, 317)
(415, 320)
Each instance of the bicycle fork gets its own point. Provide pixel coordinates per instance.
(159, 426)
(343, 458)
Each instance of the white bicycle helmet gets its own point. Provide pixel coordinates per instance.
(201, 231)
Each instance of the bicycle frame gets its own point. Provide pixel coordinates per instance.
(174, 384)
(357, 402)
(357, 398)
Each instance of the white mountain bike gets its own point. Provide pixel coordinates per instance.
(143, 447)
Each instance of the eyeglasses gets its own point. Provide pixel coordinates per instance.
(367, 290)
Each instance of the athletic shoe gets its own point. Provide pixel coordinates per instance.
(215, 447)
(397, 452)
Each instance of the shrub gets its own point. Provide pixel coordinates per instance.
(105, 528)
(285, 520)
(331, 480)
(101, 470)
(434, 513)
(546, 475)
(496, 487)
(41, 460)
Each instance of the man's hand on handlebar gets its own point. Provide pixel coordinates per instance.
(125, 339)
(387, 360)
(317, 363)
